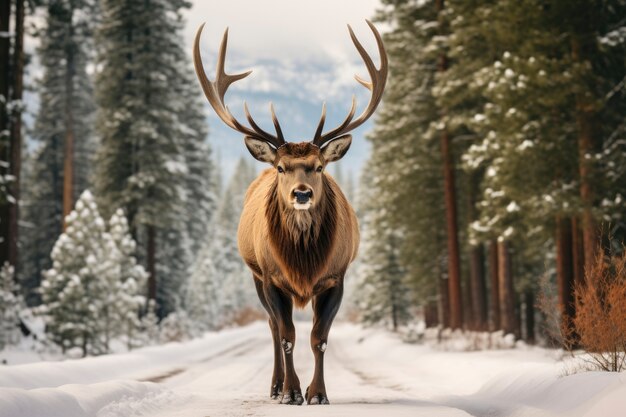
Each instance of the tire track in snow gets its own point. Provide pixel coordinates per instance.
(343, 358)
(238, 349)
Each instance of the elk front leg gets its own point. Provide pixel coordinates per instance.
(278, 375)
(325, 307)
(282, 307)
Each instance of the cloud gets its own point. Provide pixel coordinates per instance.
(285, 41)
(275, 28)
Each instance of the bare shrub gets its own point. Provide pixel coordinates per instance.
(248, 315)
(599, 326)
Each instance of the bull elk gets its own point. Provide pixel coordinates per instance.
(297, 232)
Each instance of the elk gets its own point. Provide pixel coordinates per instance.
(297, 231)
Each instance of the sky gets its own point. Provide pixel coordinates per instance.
(282, 29)
(301, 55)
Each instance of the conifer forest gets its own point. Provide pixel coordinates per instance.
(491, 201)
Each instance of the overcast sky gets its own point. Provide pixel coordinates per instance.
(273, 28)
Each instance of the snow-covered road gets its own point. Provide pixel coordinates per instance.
(368, 373)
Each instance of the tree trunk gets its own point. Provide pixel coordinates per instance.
(5, 80)
(16, 131)
(507, 294)
(444, 302)
(564, 267)
(529, 301)
(468, 305)
(68, 157)
(578, 254)
(586, 126)
(151, 255)
(454, 274)
(494, 280)
(477, 283)
(431, 318)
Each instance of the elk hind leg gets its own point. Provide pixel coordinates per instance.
(325, 307)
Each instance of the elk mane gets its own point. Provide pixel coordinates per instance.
(302, 246)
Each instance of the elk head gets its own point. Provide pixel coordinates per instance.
(299, 166)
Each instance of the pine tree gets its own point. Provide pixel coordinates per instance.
(220, 285)
(202, 180)
(203, 291)
(126, 299)
(10, 304)
(176, 327)
(5, 53)
(383, 289)
(150, 330)
(74, 289)
(172, 268)
(152, 159)
(91, 292)
(63, 131)
(11, 135)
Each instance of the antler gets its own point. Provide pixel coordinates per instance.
(215, 91)
(376, 86)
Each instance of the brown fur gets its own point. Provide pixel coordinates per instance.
(303, 252)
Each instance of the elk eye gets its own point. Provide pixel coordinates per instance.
(281, 170)
(319, 168)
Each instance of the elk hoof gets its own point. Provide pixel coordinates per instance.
(318, 399)
(292, 397)
(276, 391)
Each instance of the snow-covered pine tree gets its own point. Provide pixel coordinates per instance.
(66, 110)
(383, 291)
(91, 290)
(172, 267)
(237, 289)
(202, 298)
(179, 247)
(126, 298)
(152, 159)
(11, 302)
(202, 182)
(75, 290)
(150, 330)
(219, 276)
(176, 327)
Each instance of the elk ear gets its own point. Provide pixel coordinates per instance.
(337, 148)
(261, 150)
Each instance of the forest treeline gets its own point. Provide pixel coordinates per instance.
(499, 160)
(114, 215)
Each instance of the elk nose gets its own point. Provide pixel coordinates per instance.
(302, 197)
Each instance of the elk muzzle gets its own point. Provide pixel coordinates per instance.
(302, 198)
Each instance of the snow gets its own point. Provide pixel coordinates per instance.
(369, 372)
(512, 207)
